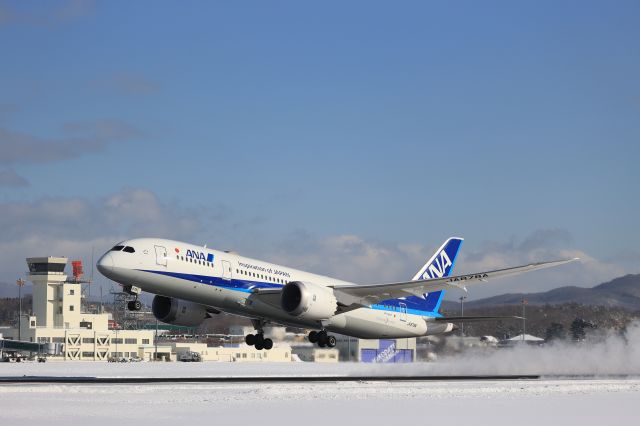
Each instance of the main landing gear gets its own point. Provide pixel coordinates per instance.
(323, 339)
(258, 340)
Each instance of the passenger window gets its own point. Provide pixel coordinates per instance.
(129, 249)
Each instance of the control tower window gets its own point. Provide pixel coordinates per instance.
(46, 267)
(117, 248)
(129, 249)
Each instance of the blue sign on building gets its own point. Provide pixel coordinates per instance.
(386, 352)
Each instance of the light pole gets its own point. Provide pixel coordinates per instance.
(155, 341)
(462, 298)
(20, 283)
(524, 318)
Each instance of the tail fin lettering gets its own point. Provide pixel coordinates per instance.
(441, 263)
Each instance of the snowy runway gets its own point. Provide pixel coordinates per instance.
(587, 402)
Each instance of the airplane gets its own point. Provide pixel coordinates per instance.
(192, 283)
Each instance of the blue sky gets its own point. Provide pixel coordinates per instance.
(294, 131)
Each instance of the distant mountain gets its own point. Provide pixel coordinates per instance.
(11, 289)
(622, 292)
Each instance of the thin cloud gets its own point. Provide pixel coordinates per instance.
(79, 139)
(7, 109)
(127, 84)
(72, 226)
(9, 178)
(539, 246)
(360, 260)
(103, 130)
(43, 15)
(351, 257)
(128, 213)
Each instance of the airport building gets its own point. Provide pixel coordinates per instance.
(376, 350)
(237, 353)
(58, 319)
(313, 353)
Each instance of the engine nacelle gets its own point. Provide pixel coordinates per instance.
(308, 300)
(178, 311)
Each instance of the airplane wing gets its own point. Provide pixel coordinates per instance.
(374, 293)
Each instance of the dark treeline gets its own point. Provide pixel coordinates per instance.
(9, 308)
(542, 320)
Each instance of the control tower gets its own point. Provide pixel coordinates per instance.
(56, 301)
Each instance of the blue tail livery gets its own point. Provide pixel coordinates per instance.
(440, 265)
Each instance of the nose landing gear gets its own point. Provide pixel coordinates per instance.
(322, 339)
(134, 305)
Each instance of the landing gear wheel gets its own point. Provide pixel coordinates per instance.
(331, 341)
(313, 336)
(134, 305)
(322, 339)
(268, 344)
(250, 339)
(259, 341)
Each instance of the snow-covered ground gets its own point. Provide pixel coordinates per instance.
(552, 400)
(584, 402)
(588, 402)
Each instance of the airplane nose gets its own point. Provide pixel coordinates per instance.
(105, 264)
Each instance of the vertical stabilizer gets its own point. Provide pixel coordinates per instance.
(441, 263)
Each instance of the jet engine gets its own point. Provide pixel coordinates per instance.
(178, 312)
(308, 300)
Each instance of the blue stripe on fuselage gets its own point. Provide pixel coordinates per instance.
(238, 285)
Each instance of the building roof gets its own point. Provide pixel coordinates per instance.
(527, 338)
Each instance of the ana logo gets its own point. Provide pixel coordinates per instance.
(199, 255)
(438, 267)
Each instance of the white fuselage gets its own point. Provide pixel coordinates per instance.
(224, 281)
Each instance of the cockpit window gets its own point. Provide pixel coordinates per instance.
(129, 249)
(117, 248)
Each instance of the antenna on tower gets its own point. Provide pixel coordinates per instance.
(92, 263)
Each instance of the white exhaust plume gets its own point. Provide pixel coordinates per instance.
(613, 354)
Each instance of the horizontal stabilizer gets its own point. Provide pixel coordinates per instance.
(476, 319)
